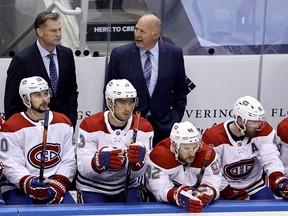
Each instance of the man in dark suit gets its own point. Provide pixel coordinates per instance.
(34, 61)
(163, 100)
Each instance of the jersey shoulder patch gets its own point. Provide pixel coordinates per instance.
(162, 156)
(215, 135)
(144, 124)
(60, 118)
(15, 123)
(282, 130)
(94, 123)
(267, 129)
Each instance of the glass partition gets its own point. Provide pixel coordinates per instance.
(199, 27)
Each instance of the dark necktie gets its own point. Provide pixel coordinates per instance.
(53, 73)
(147, 68)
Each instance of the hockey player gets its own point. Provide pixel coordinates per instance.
(246, 148)
(282, 132)
(22, 145)
(105, 148)
(183, 170)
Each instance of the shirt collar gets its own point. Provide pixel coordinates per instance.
(43, 51)
(154, 50)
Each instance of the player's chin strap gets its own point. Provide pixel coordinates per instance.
(242, 130)
(176, 153)
(112, 112)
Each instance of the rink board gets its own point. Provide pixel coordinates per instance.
(220, 207)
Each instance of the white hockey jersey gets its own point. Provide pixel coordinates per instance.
(242, 163)
(95, 132)
(165, 173)
(282, 132)
(21, 146)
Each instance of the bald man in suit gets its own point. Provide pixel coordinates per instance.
(163, 101)
(34, 61)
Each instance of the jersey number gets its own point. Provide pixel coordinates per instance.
(153, 172)
(4, 145)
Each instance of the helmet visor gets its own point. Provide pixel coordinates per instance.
(123, 102)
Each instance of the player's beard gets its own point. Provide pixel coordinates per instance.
(40, 108)
(187, 160)
(250, 134)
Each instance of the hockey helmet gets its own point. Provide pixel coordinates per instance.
(185, 133)
(248, 108)
(120, 88)
(30, 85)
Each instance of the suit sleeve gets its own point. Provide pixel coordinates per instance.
(180, 91)
(12, 101)
(73, 98)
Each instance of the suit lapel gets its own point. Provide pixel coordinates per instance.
(39, 62)
(136, 59)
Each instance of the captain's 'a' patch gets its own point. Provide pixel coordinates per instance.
(254, 147)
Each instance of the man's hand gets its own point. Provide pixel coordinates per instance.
(34, 188)
(109, 158)
(282, 187)
(184, 198)
(56, 192)
(136, 154)
(204, 193)
(230, 193)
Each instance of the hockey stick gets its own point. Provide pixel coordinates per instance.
(204, 165)
(134, 137)
(42, 165)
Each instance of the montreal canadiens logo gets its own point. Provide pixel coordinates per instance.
(52, 155)
(240, 170)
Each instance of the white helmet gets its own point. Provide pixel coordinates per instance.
(30, 85)
(185, 133)
(119, 88)
(248, 108)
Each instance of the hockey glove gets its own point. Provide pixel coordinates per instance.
(34, 188)
(281, 185)
(184, 198)
(136, 154)
(109, 158)
(204, 193)
(230, 193)
(55, 192)
(1, 169)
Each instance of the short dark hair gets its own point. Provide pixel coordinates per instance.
(42, 18)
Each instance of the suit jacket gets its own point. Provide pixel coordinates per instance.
(27, 63)
(168, 101)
